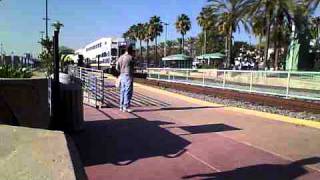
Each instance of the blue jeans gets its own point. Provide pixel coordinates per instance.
(126, 90)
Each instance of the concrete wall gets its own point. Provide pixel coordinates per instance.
(24, 102)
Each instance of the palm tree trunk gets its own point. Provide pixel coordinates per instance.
(229, 47)
(205, 42)
(274, 54)
(148, 61)
(226, 51)
(268, 43)
(141, 50)
(156, 50)
(182, 42)
(276, 59)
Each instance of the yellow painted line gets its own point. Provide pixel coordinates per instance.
(296, 121)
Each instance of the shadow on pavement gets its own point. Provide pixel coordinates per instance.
(262, 172)
(124, 141)
(208, 128)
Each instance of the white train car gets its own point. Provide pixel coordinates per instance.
(103, 52)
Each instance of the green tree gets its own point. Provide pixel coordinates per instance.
(258, 28)
(147, 38)
(57, 25)
(130, 34)
(140, 35)
(312, 4)
(155, 29)
(183, 25)
(64, 54)
(206, 21)
(277, 14)
(230, 14)
(46, 55)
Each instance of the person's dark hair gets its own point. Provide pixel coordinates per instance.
(129, 49)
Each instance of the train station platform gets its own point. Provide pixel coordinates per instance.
(169, 136)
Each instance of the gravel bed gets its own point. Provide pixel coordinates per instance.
(249, 105)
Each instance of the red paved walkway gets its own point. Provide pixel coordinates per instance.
(167, 138)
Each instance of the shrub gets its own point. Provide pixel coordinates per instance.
(14, 72)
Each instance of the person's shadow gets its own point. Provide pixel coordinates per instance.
(263, 171)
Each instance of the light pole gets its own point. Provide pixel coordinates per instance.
(42, 33)
(46, 19)
(12, 59)
(1, 48)
(1, 53)
(166, 37)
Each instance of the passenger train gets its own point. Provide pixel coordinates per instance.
(103, 52)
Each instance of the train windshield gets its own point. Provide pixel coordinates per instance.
(114, 52)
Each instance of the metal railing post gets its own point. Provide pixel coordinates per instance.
(203, 79)
(102, 89)
(173, 74)
(288, 84)
(96, 91)
(251, 81)
(187, 75)
(80, 73)
(224, 79)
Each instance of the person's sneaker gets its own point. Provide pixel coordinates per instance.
(127, 110)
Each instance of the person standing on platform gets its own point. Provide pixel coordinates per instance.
(125, 66)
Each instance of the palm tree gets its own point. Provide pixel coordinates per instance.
(131, 33)
(140, 35)
(155, 30)
(258, 28)
(191, 41)
(147, 37)
(170, 46)
(64, 52)
(183, 25)
(230, 14)
(312, 4)
(57, 25)
(206, 21)
(277, 13)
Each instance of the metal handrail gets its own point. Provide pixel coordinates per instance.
(92, 82)
(288, 84)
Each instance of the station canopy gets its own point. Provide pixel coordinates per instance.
(177, 57)
(211, 56)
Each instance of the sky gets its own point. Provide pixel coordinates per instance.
(87, 20)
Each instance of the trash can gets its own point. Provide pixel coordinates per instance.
(71, 104)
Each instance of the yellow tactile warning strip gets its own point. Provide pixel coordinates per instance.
(271, 116)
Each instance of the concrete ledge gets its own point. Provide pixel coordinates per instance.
(35, 154)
